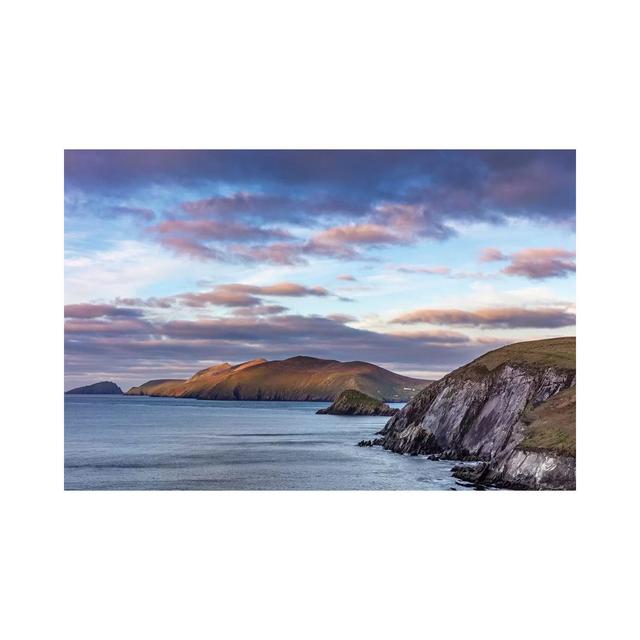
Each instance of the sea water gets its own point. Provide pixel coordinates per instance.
(117, 442)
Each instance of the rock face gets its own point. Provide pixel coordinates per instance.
(495, 410)
(355, 403)
(105, 387)
(299, 378)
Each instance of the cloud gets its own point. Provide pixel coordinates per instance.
(136, 212)
(260, 310)
(86, 311)
(245, 295)
(411, 220)
(534, 263)
(276, 253)
(439, 271)
(367, 234)
(345, 203)
(496, 317)
(159, 303)
(491, 254)
(487, 185)
(343, 242)
(151, 349)
(87, 328)
(194, 237)
(192, 248)
(215, 230)
(264, 206)
(290, 289)
(342, 318)
(346, 277)
(437, 336)
(541, 263)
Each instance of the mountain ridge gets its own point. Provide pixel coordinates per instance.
(302, 378)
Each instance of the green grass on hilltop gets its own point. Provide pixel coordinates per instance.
(552, 425)
(554, 352)
(357, 397)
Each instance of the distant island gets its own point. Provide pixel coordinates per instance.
(300, 378)
(104, 387)
(356, 403)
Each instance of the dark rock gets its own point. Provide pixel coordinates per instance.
(355, 403)
(105, 387)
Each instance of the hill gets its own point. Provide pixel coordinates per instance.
(513, 408)
(298, 378)
(355, 403)
(105, 387)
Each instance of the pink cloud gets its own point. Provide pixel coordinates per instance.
(192, 248)
(276, 253)
(491, 254)
(438, 271)
(356, 234)
(541, 263)
(245, 295)
(87, 311)
(216, 230)
(502, 317)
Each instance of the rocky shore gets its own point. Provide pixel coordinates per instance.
(513, 409)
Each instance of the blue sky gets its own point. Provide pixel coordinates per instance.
(416, 260)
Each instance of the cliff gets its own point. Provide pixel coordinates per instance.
(542, 452)
(105, 387)
(354, 403)
(298, 378)
(495, 410)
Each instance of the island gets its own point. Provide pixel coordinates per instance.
(301, 378)
(356, 403)
(102, 388)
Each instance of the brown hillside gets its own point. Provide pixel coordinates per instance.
(298, 378)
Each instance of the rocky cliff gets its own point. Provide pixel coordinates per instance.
(298, 378)
(492, 410)
(105, 387)
(354, 403)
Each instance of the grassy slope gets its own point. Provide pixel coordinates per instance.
(303, 377)
(353, 397)
(163, 387)
(554, 352)
(552, 425)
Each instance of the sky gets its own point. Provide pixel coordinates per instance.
(418, 261)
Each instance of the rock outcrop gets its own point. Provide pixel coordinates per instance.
(355, 403)
(105, 387)
(542, 452)
(299, 378)
(497, 409)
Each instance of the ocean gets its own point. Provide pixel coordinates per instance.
(117, 442)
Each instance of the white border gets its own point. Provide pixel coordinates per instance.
(333, 75)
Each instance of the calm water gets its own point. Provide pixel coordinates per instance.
(129, 442)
